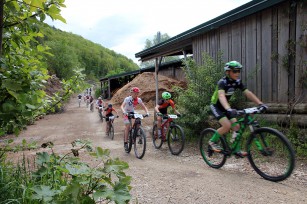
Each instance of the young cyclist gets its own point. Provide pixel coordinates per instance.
(221, 108)
(108, 113)
(161, 109)
(100, 103)
(127, 107)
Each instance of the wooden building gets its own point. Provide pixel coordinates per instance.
(268, 37)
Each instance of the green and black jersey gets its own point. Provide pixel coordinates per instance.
(229, 86)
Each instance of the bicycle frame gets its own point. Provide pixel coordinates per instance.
(166, 124)
(243, 122)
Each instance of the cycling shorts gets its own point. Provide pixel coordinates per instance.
(219, 112)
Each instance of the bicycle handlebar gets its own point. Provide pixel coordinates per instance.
(253, 110)
(137, 115)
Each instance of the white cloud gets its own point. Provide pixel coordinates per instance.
(123, 26)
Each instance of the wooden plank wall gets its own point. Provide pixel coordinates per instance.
(263, 43)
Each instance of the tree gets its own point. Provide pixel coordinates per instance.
(22, 68)
(158, 38)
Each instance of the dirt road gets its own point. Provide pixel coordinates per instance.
(163, 178)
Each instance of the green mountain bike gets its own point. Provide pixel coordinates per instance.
(269, 152)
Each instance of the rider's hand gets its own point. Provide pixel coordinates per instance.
(147, 114)
(232, 112)
(179, 115)
(263, 107)
(159, 114)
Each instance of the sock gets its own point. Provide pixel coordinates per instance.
(215, 137)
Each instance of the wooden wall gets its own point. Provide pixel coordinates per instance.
(272, 47)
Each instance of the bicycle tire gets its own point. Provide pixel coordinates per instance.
(175, 139)
(277, 159)
(130, 135)
(111, 131)
(213, 159)
(157, 142)
(139, 143)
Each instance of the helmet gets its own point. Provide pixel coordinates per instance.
(99, 98)
(166, 95)
(232, 65)
(135, 90)
(110, 105)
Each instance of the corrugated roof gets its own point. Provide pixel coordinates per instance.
(235, 14)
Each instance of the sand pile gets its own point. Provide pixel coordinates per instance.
(147, 84)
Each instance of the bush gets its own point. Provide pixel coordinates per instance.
(64, 179)
(194, 102)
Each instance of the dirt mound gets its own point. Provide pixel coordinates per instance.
(147, 84)
(53, 85)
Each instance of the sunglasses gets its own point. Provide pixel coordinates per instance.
(236, 71)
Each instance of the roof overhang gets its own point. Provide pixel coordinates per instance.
(183, 42)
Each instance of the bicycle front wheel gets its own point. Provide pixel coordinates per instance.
(140, 143)
(271, 154)
(213, 159)
(130, 140)
(175, 139)
(157, 142)
(111, 131)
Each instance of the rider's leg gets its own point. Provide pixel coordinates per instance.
(159, 121)
(127, 128)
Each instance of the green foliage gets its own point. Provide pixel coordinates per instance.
(65, 179)
(194, 102)
(70, 52)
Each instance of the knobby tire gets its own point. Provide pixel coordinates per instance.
(277, 159)
(139, 143)
(175, 139)
(213, 159)
(157, 142)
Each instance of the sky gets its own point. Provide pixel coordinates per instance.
(124, 25)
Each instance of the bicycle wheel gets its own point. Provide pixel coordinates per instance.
(111, 131)
(271, 154)
(130, 141)
(157, 142)
(213, 159)
(140, 143)
(175, 139)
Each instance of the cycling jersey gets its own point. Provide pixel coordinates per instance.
(109, 111)
(99, 102)
(229, 86)
(164, 104)
(131, 103)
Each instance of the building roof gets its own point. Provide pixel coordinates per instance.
(183, 42)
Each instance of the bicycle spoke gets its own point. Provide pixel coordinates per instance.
(175, 139)
(271, 154)
(140, 143)
(157, 142)
(213, 159)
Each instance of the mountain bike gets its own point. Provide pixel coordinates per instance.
(269, 152)
(92, 106)
(100, 108)
(111, 126)
(137, 136)
(170, 132)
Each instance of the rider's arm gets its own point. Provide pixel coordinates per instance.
(157, 109)
(145, 108)
(122, 107)
(252, 97)
(223, 99)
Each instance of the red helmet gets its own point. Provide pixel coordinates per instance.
(135, 90)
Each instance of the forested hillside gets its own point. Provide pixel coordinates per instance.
(71, 51)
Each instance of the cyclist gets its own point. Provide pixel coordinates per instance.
(161, 109)
(91, 103)
(221, 108)
(100, 103)
(127, 107)
(108, 113)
